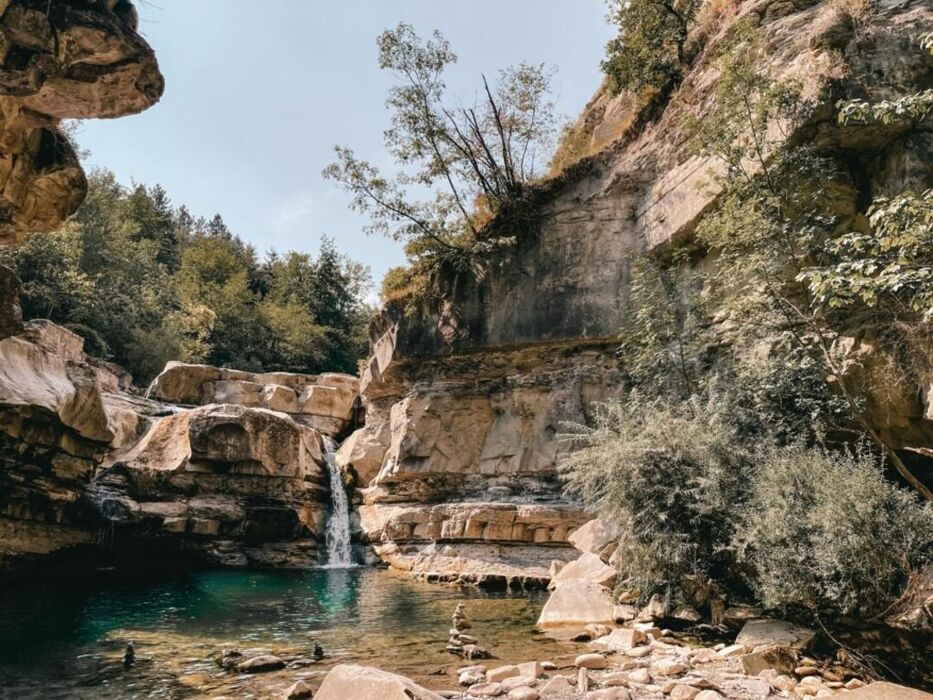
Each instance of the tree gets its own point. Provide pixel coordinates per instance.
(648, 53)
(475, 162)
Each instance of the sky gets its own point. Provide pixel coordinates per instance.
(257, 94)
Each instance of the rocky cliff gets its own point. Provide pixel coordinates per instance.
(465, 394)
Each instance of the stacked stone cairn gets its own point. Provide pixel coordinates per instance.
(460, 643)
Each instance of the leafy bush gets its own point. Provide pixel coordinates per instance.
(826, 529)
(672, 475)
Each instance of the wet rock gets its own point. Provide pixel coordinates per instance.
(261, 664)
(365, 683)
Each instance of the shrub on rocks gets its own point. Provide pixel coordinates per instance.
(826, 529)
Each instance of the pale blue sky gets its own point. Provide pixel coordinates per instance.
(257, 94)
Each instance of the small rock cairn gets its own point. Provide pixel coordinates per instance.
(460, 643)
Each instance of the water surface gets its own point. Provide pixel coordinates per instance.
(67, 641)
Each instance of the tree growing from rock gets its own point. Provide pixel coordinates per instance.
(456, 166)
(648, 52)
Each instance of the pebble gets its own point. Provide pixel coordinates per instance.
(707, 695)
(704, 656)
(471, 677)
(640, 675)
(531, 668)
(518, 681)
(261, 664)
(609, 694)
(523, 693)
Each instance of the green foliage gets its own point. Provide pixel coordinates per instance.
(889, 269)
(826, 530)
(145, 283)
(456, 167)
(672, 474)
(648, 53)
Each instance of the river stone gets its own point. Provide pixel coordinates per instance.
(261, 664)
(609, 694)
(495, 675)
(347, 681)
(510, 684)
(523, 693)
(766, 633)
(531, 668)
(707, 695)
(684, 692)
(592, 661)
(486, 690)
(621, 639)
(640, 675)
(577, 603)
(779, 658)
(471, 677)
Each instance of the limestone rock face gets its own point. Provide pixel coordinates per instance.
(232, 484)
(457, 461)
(364, 683)
(326, 402)
(63, 59)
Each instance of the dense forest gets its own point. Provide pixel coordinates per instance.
(145, 282)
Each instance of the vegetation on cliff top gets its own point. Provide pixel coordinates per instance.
(456, 167)
(144, 283)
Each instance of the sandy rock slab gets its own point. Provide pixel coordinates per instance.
(348, 681)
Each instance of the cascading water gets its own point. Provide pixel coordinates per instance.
(337, 535)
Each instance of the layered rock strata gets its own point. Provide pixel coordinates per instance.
(327, 402)
(92, 470)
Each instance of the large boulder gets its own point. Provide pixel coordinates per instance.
(577, 604)
(34, 379)
(757, 634)
(588, 567)
(887, 691)
(351, 682)
(597, 536)
(228, 439)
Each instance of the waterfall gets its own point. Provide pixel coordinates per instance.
(337, 535)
